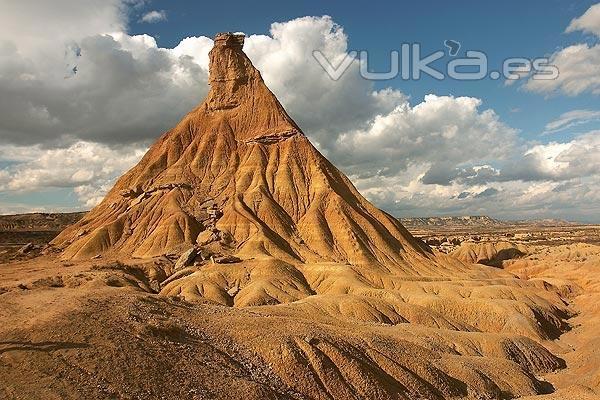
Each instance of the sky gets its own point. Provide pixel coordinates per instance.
(87, 86)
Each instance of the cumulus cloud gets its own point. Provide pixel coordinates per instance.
(589, 22)
(553, 179)
(154, 16)
(471, 175)
(554, 161)
(144, 90)
(578, 64)
(441, 133)
(66, 65)
(89, 168)
(576, 199)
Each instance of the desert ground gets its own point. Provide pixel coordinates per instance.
(235, 261)
(108, 328)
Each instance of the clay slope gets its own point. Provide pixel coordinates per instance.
(94, 331)
(489, 253)
(238, 169)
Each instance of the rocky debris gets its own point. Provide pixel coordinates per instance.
(171, 257)
(168, 186)
(213, 235)
(433, 242)
(26, 249)
(228, 259)
(138, 199)
(206, 237)
(138, 194)
(82, 232)
(310, 340)
(97, 256)
(271, 139)
(214, 212)
(154, 285)
(226, 238)
(131, 192)
(210, 203)
(186, 258)
(233, 290)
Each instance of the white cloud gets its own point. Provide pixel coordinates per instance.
(154, 16)
(578, 67)
(89, 168)
(63, 73)
(550, 180)
(144, 90)
(589, 22)
(578, 64)
(554, 161)
(571, 119)
(545, 159)
(40, 31)
(442, 133)
(582, 155)
(4, 179)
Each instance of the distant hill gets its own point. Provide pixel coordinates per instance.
(544, 222)
(467, 220)
(477, 221)
(40, 222)
(56, 222)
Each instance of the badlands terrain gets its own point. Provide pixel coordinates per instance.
(235, 261)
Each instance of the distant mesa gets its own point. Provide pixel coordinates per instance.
(465, 220)
(478, 221)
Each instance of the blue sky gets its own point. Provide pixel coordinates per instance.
(515, 29)
(87, 86)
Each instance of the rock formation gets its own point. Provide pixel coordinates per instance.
(239, 169)
(489, 253)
